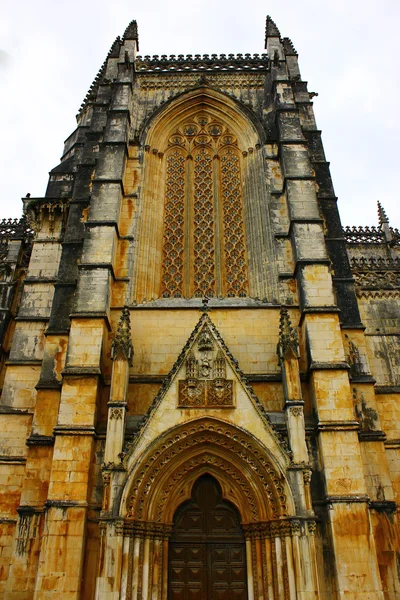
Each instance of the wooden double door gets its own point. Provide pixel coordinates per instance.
(207, 552)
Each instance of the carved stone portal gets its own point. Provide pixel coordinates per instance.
(205, 383)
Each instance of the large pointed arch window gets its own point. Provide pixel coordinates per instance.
(204, 240)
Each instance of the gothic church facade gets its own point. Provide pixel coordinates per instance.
(200, 367)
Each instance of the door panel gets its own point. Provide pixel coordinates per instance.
(207, 553)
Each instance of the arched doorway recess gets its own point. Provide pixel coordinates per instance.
(207, 549)
(162, 477)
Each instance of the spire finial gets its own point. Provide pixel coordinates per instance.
(122, 343)
(205, 308)
(382, 216)
(131, 32)
(288, 337)
(271, 29)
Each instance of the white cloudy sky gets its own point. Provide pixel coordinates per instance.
(348, 49)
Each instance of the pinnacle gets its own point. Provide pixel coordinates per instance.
(122, 342)
(382, 216)
(271, 29)
(131, 32)
(288, 47)
(288, 337)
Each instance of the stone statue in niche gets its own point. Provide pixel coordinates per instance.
(205, 384)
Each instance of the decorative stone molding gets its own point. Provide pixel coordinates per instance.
(121, 346)
(213, 461)
(205, 384)
(119, 528)
(116, 413)
(363, 235)
(288, 337)
(135, 528)
(199, 443)
(106, 477)
(203, 63)
(307, 475)
(312, 527)
(225, 81)
(295, 527)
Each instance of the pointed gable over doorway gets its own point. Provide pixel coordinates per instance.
(206, 381)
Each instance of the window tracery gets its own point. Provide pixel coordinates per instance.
(203, 248)
(174, 219)
(203, 217)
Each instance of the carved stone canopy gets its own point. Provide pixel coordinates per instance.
(288, 337)
(122, 343)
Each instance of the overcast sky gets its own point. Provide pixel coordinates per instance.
(348, 52)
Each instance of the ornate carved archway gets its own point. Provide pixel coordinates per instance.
(249, 476)
(280, 553)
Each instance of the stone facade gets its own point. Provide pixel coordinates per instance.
(182, 303)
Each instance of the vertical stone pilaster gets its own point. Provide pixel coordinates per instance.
(288, 353)
(108, 586)
(121, 354)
